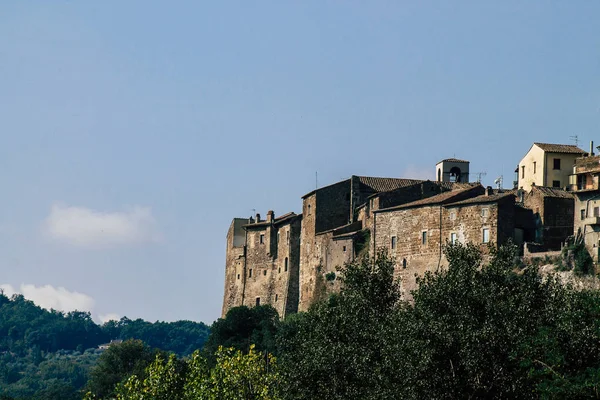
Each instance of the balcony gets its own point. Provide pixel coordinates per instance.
(583, 182)
(592, 221)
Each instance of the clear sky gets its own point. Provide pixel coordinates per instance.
(132, 132)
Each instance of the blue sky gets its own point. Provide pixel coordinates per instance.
(133, 132)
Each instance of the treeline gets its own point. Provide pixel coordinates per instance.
(475, 330)
(49, 354)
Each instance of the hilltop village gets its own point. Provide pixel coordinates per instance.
(290, 261)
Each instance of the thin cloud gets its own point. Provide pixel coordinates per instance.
(49, 297)
(418, 172)
(104, 318)
(84, 227)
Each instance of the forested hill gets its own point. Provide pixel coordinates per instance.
(45, 354)
(25, 326)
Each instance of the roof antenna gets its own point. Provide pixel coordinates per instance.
(575, 138)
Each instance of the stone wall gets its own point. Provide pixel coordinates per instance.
(234, 265)
(421, 232)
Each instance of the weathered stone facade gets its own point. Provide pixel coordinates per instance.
(586, 189)
(553, 212)
(264, 267)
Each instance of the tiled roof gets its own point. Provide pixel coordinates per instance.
(386, 184)
(560, 148)
(453, 160)
(278, 220)
(442, 198)
(482, 199)
(551, 192)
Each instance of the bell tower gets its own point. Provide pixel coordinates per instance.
(452, 170)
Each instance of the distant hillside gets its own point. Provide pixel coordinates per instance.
(44, 354)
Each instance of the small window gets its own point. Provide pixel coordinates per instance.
(277, 237)
(486, 235)
(424, 237)
(393, 242)
(287, 237)
(582, 214)
(556, 184)
(262, 239)
(557, 163)
(404, 263)
(484, 212)
(534, 167)
(279, 270)
(276, 297)
(344, 249)
(308, 208)
(453, 238)
(523, 172)
(452, 215)
(258, 301)
(250, 273)
(596, 211)
(265, 272)
(286, 264)
(238, 276)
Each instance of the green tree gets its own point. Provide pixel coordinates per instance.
(116, 364)
(337, 349)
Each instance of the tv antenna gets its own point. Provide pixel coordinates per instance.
(498, 182)
(480, 175)
(575, 138)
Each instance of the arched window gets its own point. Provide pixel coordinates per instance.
(286, 264)
(455, 174)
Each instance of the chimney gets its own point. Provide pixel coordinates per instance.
(250, 220)
(591, 148)
(270, 216)
(489, 191)
(257, 217)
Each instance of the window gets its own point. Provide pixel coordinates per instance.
(262, 238)
(265, 272)
(486, 235)
(258, 301)
(276, 297)
(453, 238)
(596, 211)
(308, 208)
(250, 273)
(523, 172)
(484, 212)
(238, 276)
(557, 163)
(424, 237)
(287, 237)
(286, 264)
(393, 242)
(344, 249)
(279, 270)
(582, 214)
(452, 215)
(534, 167)
(556, 184)
(404, 263)
(278, 237)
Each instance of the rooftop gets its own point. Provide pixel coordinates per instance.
(453, 160)
(492, 198)
(442, 198)
(377, 184)
(560, 148)
(551, 192)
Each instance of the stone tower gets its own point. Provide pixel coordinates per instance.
(452, 170)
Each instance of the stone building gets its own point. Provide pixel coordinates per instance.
(262, 262)
(452, 170)
(546, 165)
(553, 211)
(586, 190)
(415, 233)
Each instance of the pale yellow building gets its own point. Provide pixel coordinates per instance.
(548, 165)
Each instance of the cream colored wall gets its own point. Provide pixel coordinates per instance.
(535, 154)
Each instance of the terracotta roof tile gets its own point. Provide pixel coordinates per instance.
(386, 184)
(560, 148)
(453, 160)
(442, 198)
(551, 192)
(482, 199)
